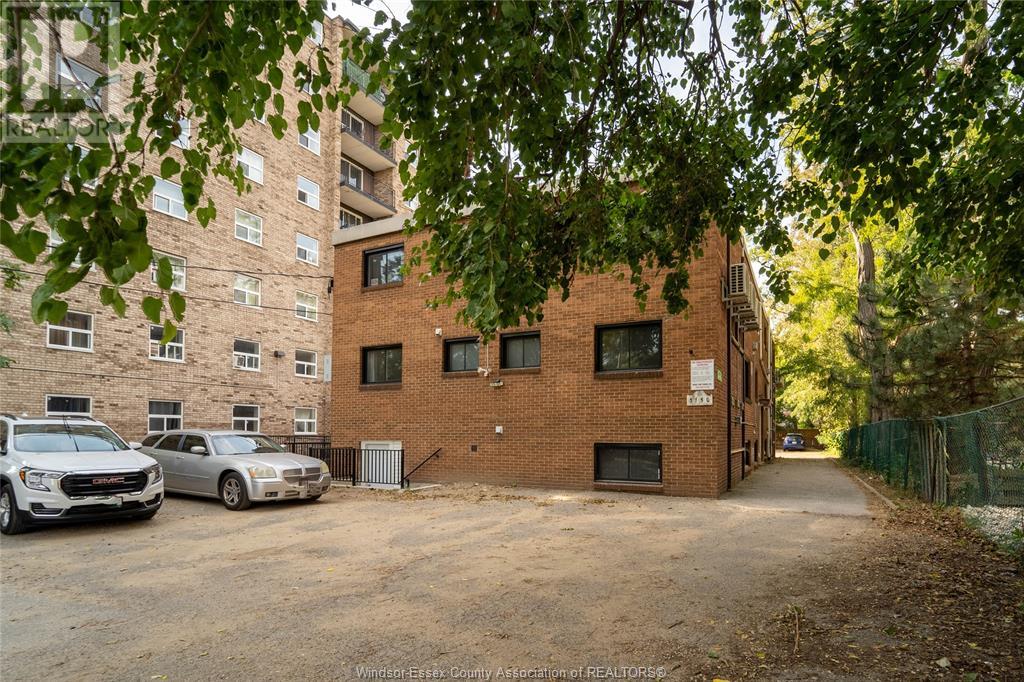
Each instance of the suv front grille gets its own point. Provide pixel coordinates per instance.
(83, 485)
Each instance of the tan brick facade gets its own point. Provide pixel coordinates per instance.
(119, 376)
(551, 417)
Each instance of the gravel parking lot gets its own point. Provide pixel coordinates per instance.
(466, 577)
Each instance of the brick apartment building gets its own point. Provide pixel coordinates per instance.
(254, 348)
(598, 396)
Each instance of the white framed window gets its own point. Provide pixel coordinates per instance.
(178, 269)
(352, 175)
(349, 219)
(182, 141)
(71, 405)
(78, 81)
(245, 417)
(246, 355)
(252, 165)
(74, 332)
(305, 306)
(310, 140)
(247, 290)
(308, 193)
(317, 34)
(353, 123)
(305, 363)
(305, 420)
(307, 249)
(248, 227)
(164, 415)
(172, 351)
(167, 198)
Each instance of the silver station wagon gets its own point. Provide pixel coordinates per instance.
(239, 467)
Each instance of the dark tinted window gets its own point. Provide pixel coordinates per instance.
(68, 404)
(383, 266)
(520, 350)
(382, 365)
(461, 355)
(148, 441)
(188, 442)
(629, 347)
(640, 463)
(169, 442)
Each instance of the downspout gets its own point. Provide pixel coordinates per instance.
(728, 371)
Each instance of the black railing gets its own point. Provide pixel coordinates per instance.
(405, 479)
(370, 136)
(363, 467)
(302, 443)
(384, 196)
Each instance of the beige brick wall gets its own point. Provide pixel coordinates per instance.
(119, 376)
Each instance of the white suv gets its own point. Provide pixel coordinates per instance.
(56, 469)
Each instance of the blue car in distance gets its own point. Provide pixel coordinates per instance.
(793, 441)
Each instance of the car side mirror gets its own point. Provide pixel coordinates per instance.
(134, 445)
(197, 450)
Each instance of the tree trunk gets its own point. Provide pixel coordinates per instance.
(869, 331)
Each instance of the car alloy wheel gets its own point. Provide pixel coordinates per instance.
(232, 492)
(5, 508)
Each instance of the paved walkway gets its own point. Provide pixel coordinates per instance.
(814, 485)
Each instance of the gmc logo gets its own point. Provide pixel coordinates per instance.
(109, 480)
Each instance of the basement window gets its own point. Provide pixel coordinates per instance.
(617, 462)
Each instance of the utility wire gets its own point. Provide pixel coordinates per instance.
(191, 297)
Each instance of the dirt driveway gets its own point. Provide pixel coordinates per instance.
(466, 577)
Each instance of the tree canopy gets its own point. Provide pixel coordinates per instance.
(554, 138)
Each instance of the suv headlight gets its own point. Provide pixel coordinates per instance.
(262, 472)
(324, 469)
(39, 480)
(155, 473)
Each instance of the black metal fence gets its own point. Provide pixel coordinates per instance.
(363, 467)
(302, 443)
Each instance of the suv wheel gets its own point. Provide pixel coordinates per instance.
(233, 493)
(12, 519)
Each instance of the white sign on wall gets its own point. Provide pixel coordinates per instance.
(699, 398)
(702, 375)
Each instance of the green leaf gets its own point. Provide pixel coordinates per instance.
(169, 167)
(177, 305)
(152, 307)
(170, 331)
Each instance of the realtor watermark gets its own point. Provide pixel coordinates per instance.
(593, 672)
(61, 80)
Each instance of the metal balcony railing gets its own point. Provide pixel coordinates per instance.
(370, 136)
(361, 77)
(384, 196)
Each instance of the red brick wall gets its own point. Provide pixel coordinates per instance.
(551, 417)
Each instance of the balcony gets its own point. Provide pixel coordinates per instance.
(368, 105)
(374, 203)
(361, 143)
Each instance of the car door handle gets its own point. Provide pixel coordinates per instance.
(179, 457)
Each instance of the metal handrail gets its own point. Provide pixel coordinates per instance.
(371, 140)
(405, 479)
(361, 77)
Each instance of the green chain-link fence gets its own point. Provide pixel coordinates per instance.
(975, 458)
